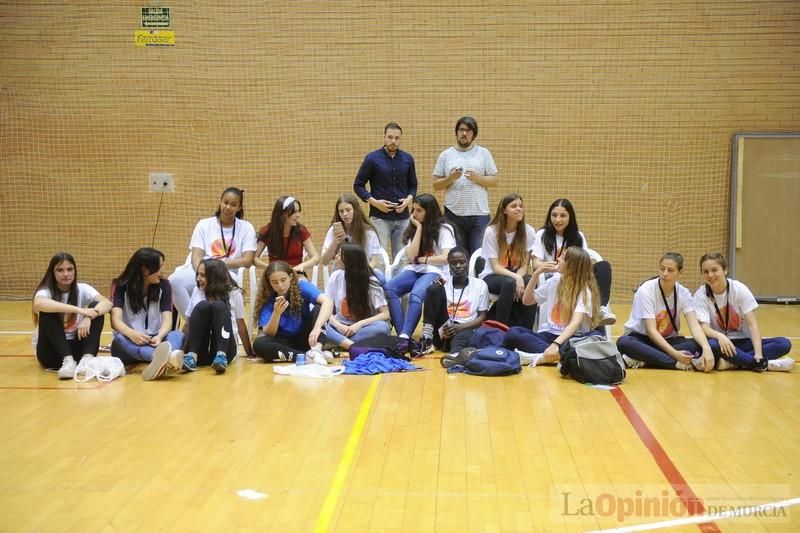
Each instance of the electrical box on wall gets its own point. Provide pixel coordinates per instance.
(161, 182)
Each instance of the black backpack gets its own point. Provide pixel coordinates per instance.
(592, 359)
(489, 361)
(388, 345)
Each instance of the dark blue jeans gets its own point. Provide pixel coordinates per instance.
(641, 348)
(469, 229)
(771, 348)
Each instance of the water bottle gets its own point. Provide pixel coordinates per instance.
(300, 359)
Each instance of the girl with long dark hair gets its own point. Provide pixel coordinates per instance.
(428, 240)
(68, 315)
(285, 238)
(142, 316)
(361, 309)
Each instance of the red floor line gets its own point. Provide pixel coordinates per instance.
(693, 504)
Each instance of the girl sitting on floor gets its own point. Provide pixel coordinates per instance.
(568, 306)
(651, 333)
(726, 311)
(288, 325)
(68, 316)
(215, 317)
(357, 295)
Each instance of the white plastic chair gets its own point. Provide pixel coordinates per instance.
(400, 260)
(473, 261)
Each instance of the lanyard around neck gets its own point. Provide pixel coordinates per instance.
(228, 249)
(672, 314)
(727, 305)
(453, 297)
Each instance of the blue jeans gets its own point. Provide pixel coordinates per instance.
(403, 283)
(370, 330)
(640, 347)
(130, 352)
(390, 232)
(469, 229)
(771, 348)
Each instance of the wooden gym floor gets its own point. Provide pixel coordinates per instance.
(424, 451)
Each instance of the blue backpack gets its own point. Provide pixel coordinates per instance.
(491, 361)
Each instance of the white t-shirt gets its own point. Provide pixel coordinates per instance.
(540, 252)
(489, 249)
(446, 241)
(739, 300)
(207, 236)
(552, 317)
(464, 197)
(86, 295)
(236, 301)
(337, 291)
(648, 303)
(372, 247)
(463, 305)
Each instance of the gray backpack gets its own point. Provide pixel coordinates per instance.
(592, 359)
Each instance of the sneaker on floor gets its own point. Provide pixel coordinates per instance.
(175, 362)
(67, 370)
(159, 363)
(329, 357)
(724, 364)
(529, 359)
(607, 318)
(316, 357)
(459, 358)
(220, 363)
(189, 363)
(630, 362)
(698, 364)
(684, 366)
(426, 345)
(784, 364)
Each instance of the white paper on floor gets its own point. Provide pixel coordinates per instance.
(250, 494)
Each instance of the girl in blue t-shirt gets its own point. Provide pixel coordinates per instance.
(290, 314)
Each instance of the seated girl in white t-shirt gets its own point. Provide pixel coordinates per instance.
(726, 311)
(68, 316)
(360, 305)
(568, 306)
(215, 317)
(651, 333)
(225, 236)
(507, 245)
(560, 231)
(428, 240)
(349, 225)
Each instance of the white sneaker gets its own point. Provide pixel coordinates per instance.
(328, 356)
(159, 363)
(724, 364)
(175, 362)
(607, 318)
(529, 359)
(630, 362)
(784, 364)
(67, 370)
(316, 357)
(683, 366)
(698, 364)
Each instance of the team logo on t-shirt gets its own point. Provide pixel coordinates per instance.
(218, 250)
(70, 323)
(345, 309)
(734, 321)
(664, 324)
(464, 310)
(555, 316)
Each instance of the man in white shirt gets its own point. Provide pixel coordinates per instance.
(464, 171)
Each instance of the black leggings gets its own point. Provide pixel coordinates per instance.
(211, 331)
(435, 313)
(508, 310)
(602, 274)
(271, 348)
(53, 345)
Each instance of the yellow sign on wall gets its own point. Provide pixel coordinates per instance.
(154, 37)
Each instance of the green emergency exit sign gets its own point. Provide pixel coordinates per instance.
(155, 17)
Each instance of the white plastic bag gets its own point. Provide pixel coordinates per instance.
(103, 368)
(308, 371)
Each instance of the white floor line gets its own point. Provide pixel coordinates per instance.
(699, 519)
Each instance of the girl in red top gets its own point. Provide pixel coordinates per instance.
(285, 238)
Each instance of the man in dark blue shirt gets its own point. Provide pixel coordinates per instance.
(392, 179)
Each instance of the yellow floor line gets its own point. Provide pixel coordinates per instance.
(329, 506)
